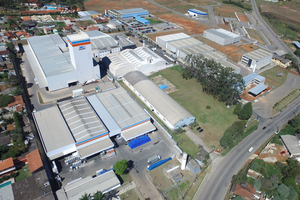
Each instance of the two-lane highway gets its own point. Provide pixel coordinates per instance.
(219, 182)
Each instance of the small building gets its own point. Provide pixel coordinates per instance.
(7, 166)
(88, 14)
(221, 36)
(142, 20)
(197, 13)
(193, 166)
(257, 59)
(125, 42)
(67, 29)
(258, 89)
(47, 30)
(163, 40)
(10, 36)
(253, 174)
(2, 28)
(161, 104)
(128, 13)
(244, 189)
(297, 44)
(292, 144)
(253, 79)
(281, 61)
(34, 161)
(114, 24)
(226, 21)
(29, 23)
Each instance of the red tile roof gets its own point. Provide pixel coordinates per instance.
(6, 164)
(67, 28)
(17, 100)
(34, 160)
(243, 191)
(10, 34)
(26, 18)
(21, 33)
(19, 108)
(5, 52)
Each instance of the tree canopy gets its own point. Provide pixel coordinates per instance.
(246, 111)
(5, 100)
(220, 82)
(120, 167)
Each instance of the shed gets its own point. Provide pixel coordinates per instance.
(193, 166)
(258, 89)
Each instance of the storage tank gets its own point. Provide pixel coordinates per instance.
(183, 161)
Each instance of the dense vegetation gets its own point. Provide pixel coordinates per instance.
(239, 4)
(220, 82)
(232, 134)
(5, 99)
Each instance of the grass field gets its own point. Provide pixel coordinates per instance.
(285, 101)
(129, 195)
(186, 144)
(126, 178)
(154, 21)
(227, 10)
(175, 5)
(23, 174)
(255, 35)
(174, 194)
(271, 76)
(214, 121)
(200, 2)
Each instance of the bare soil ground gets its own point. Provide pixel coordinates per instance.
(272, 154)
(2, 87)
(200, 2)
(243, 17)
(248, 97)
(224, 26)
(102, 5)
(10, 127)
(160, 80)
(192, 27)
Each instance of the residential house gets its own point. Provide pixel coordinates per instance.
(34, 161)
(92, 28)
(281, 61)
(7, 166)
(72, 20)
(26, 18)
(21, 34)
(15, 27)
(47, 30)
(18, 101)
(244, 189)
(67, 29)
(2, 28)
(36, 3)
(4, 53)
(10, 35)
(29, 23)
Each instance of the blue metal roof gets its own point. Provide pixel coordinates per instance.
(199, 12)
(258, 89)
(91, 12)
(142, 20)
(297, 44)
(252, 76)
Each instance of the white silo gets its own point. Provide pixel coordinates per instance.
(183, 161)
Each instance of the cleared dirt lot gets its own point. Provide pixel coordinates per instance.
(243, 17)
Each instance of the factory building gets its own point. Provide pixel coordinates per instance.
(142, 20)
(226, 64)
(221, 36)
(195, 50)
(257, 59)
(128, 13)
(175, 46)
(102, 44)
(57, 66)
(162, 105)
(197, 13)
(163, 40)
(84, 125)
(215, 55)
(125, 42)
(141, 58)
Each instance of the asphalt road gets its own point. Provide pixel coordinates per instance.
(218, 184)
(269, 32)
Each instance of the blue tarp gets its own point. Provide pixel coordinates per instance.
(163, 86)
(159, 163)
(139, 141)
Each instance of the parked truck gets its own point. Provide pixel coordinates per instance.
(153, 159)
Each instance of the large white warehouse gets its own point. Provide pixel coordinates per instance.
(175, 46)
(85, 124)
(55, 66)
(257, 59)
(162, 105)
(221, 36)
(141, 58)
(163, 40)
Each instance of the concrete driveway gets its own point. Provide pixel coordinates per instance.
(265, 104)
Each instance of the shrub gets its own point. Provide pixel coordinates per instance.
(120, 167)
(246, 112)
(237, 109)
(257, 184)
(208, 107)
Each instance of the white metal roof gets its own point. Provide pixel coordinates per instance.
(226, 63)
(173, 37)
(222, 33)
(137, 131)
(81, 119)
(216, 55)
(125, 111)
(258, 54)
(53, 129)
(185, 43)
(118, 61)
(48, 50)
(90, 185)
(101, 40)
(95, 148)
(166, 106)
(199, 49)
(291, 143)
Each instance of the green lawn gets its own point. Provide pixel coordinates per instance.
(23, 174)
(184, 187)
(129, 195)
(255, 35)
(154, 21)
(186, 144)
(285, 101)
(213, 121)
(174, 194)
(126, 178)
(272, 78)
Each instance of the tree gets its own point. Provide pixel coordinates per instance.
(98, 196)
(246, 111)
(295, 122)
(120, 167)
(85, 197)
(237, 109)
(283, 191)
(257, 184)
(297, 52)
(5, 100)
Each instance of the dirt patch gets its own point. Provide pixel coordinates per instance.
(10, 127)
(160, 80)
(283, 11)
(192, 27)
(224, 26)
(2, 88)
(236, 56)
(272, 153)
(249, 47)
(249, 97)
(243, 17)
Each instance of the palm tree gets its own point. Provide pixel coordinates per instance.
(85, 197)
(98, 196)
